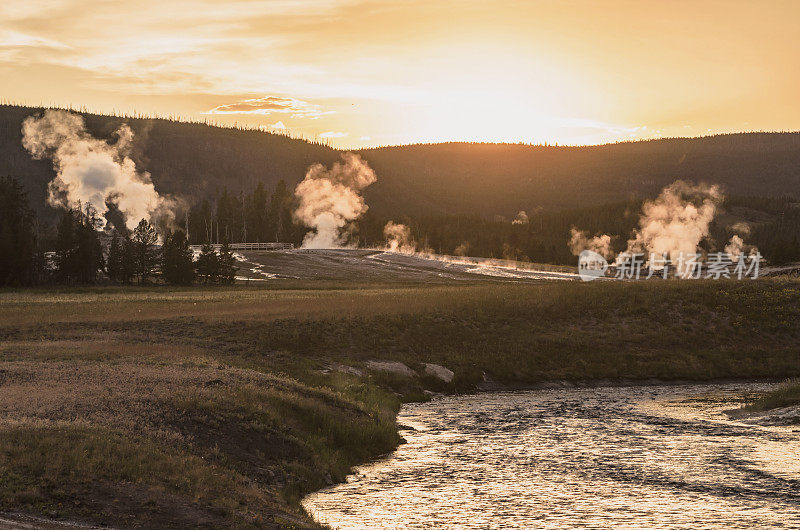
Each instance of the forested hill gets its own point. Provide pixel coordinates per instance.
(192, 160)
(197, 160)
(504, 178)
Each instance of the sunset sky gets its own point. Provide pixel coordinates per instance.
(362, 73)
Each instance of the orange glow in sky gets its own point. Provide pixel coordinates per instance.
(362, 73)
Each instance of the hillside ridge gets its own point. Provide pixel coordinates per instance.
(194, 160)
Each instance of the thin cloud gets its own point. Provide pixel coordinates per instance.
(333, 134)
(272, 105)
(15, 39)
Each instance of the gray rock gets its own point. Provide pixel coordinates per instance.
(393, 367)
(439, 372)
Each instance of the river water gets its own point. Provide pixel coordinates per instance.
(649, 457)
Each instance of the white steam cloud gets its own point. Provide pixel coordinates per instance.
(676, 221)
(736, 245)
(579, 241)
(92, 171)
(672, 224)
(398, 238)
(741, 228)
(330, 200)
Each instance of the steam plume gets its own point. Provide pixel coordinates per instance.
(398, 238)
(330, 200)
(521, 218)
(736, 245)
(740, 228)
(579, 241)
(676, 221)
(92, 171)
(672, 224)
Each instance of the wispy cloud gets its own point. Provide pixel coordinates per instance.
(270, 105)
(14, 39)
(333, 134)
(410, 70)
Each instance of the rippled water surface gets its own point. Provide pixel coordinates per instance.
(606, 457)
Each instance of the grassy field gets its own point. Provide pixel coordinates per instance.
(219, 407)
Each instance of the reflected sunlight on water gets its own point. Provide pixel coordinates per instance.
(644, 456)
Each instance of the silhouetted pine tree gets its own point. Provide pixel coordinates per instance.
(146, 255)
(79, 255)
(20, 259)
(66, 248)
(114, 263)
(177, 265)
(227, 264)
(90, 251)
(128, 268)
(208, 265)
(280, 212)
(257, 214)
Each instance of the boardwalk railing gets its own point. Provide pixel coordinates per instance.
(249, 246)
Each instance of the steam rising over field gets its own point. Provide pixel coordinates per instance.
(93, 171)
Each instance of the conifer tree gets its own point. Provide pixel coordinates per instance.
(208, 265)
(280, 212)
(177, 265)
(146, 256)
(227, 264)
(114, 263)
(78, 255)
(20, 258)
(89, 250)
(128, 267)
(66, 248)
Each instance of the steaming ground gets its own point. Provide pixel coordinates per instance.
(376, 265)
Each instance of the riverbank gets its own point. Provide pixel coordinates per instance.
(222, 407)
(780, 406)
(653, 456)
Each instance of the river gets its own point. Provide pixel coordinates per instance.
(650, 457)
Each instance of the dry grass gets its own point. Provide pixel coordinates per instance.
(257, 303)
(106, 438)
(208, 407)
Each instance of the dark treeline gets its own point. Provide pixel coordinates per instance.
(543, 238)
(21, 256)
(258, 215)
(777, 236)
(490, 179)
(458, 198)
(74, 251)
(75, 254)
(774, 229)
(261, 216)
